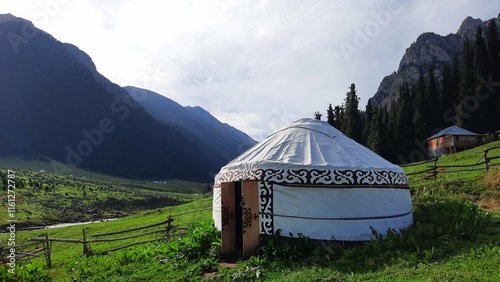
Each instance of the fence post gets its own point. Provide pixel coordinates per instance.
(169, 227)
(486, 160)
(47, 246)
(85, 246)
(435, 168)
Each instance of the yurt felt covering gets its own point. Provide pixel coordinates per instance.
(316, 181)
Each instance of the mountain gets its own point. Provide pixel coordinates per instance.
(54, 103)
(195, 122)
(429, 49)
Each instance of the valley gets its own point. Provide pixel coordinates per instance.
(46, 198)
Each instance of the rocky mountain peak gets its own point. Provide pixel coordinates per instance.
(468, 27)
(429, 49)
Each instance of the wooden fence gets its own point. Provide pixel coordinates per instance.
(433, 170)
(164, 231)
(21, 252)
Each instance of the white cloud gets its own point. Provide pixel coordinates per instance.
(256, 65)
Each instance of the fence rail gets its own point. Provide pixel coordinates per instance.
(20, 252)
(434, 170)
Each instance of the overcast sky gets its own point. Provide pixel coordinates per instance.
(257, 65)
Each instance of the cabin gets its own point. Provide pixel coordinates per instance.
(453, 139)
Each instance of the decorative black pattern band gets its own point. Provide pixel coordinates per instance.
(326, 177)
(266, 208)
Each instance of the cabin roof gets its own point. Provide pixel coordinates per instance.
(452, 130)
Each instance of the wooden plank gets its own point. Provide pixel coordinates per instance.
(417, 163)
(124, 238)
(31, 253)
(464, 165)
(228, 234)
(251, 232)
(420, 172)
(462, 170)
(42, 239)
(128, 245)
(134, 229)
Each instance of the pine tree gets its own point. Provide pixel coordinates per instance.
(374, 138)
(390, 121)
(420, 109)
(467, 83)
(419, 121)
(449, 93)
(493, 47)
(352, 117)
(317, 115)
(330, 116)
(386, 134)
(403, 130)
(339, 116)
(434, 118)
(479, 113)
(366, 120)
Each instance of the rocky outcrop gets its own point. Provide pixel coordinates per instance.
(429, 49)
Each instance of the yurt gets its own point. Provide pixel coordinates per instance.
(308, 178)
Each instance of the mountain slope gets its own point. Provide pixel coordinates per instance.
(429, 49)
(54, 103)
(194, 122)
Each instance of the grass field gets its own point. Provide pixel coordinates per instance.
(455, 237)
(44, 198)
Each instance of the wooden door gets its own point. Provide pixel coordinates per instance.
(250, 216)
(228, 234)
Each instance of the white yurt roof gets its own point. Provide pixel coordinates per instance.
(314, 180)
(308, 145)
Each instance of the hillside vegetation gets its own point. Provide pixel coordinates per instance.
(44, 198)
(452, 239)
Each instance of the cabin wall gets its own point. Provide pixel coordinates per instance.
(449, 144)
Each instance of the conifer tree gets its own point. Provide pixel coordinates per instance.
(403, 130)
(449, 93)
(339, 116)
(375, 137)
(366, 120)
(317, 115)
(479, 111)
(467, 83)
(434, 117)
(330, 116)
(352, 116)
(493, 46)
(493, 105)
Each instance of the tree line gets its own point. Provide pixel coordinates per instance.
(465, 93)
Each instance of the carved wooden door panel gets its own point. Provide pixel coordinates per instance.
(250, 216)
(228, 234)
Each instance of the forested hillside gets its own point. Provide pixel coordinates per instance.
(465, 92)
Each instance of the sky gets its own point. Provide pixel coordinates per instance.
(256, 65)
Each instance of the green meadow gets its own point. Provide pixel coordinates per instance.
(455, 235)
